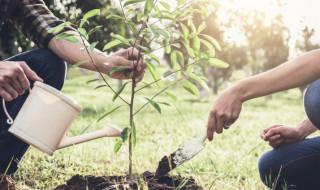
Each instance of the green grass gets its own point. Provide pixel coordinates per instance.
(229, 162)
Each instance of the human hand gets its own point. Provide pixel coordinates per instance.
(131, 62)
(14, 79)
(224, 112)
(278, 135)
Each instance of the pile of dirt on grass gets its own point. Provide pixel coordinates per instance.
(149, 179)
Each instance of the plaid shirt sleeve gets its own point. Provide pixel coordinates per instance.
(34, 19)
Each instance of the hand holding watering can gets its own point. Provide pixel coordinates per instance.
(46, 116)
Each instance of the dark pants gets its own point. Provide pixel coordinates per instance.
(52, 70)
(296, 166)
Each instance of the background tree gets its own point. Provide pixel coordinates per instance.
(306, 43)
(13, 42)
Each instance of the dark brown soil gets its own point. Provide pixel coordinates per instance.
(124, 183)
(166, 165)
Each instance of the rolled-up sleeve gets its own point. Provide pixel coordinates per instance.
(34, 19)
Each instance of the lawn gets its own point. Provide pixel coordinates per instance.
(229, 162)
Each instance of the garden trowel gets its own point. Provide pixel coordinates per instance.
(185, 153)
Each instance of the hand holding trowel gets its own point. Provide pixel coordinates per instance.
(185, 153)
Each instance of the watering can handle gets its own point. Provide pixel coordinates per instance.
(10, 119)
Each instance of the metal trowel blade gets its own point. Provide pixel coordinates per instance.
(183, 154)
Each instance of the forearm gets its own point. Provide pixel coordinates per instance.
(306, 128)
(298, 72)
(75, 53)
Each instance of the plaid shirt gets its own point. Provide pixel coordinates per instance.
(32, 17)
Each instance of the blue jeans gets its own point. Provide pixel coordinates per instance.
(52, 70)
(296, 166)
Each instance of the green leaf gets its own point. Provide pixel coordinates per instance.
(130, 2)
(117, 146)
(191, 88)
(125, 134)
(83, 33)
(123, 69)
(148, 7)
(93, 80)
(93, 30)
(143, 48)
(117, 94)
(59, 28)
(193, 27)
(173, 57)
(202, 27)
(82, 22)
(172, 96)
(200, 80)
(189, 50)
(208, 45)
(167, 49)
(180, 57)
(204, 85)
(159, 31)
(218, 63)
(165, 103)
(92, 46)
(196, 43)
(153, 57)
(165, 5)
(114, 17)
(108, 113)
(89, 14)
(112, 44)
(154, 73)
(155, 105)
(185, 31)
(121, 38)
(213, 41)
(68, 37)
(92, 13)
(133, 134)
(100, 86)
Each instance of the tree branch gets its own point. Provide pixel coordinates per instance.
(173, 72)
(156, 95)
(98, 70)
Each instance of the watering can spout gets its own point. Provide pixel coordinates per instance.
(109, 131)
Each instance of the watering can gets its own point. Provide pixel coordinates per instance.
(45, 117)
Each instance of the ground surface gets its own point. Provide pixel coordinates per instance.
(147, 180)
(229, 162)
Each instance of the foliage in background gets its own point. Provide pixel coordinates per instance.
(265, 46)
(13, 42)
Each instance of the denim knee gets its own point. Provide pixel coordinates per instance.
(268, 168)
(312, 103)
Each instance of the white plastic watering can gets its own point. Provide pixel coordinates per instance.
(45, 117)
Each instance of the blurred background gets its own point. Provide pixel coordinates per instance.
(254, 36)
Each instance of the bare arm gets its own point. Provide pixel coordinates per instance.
(297, 72)
(75, 52)
(291, 74)
(14, 75)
